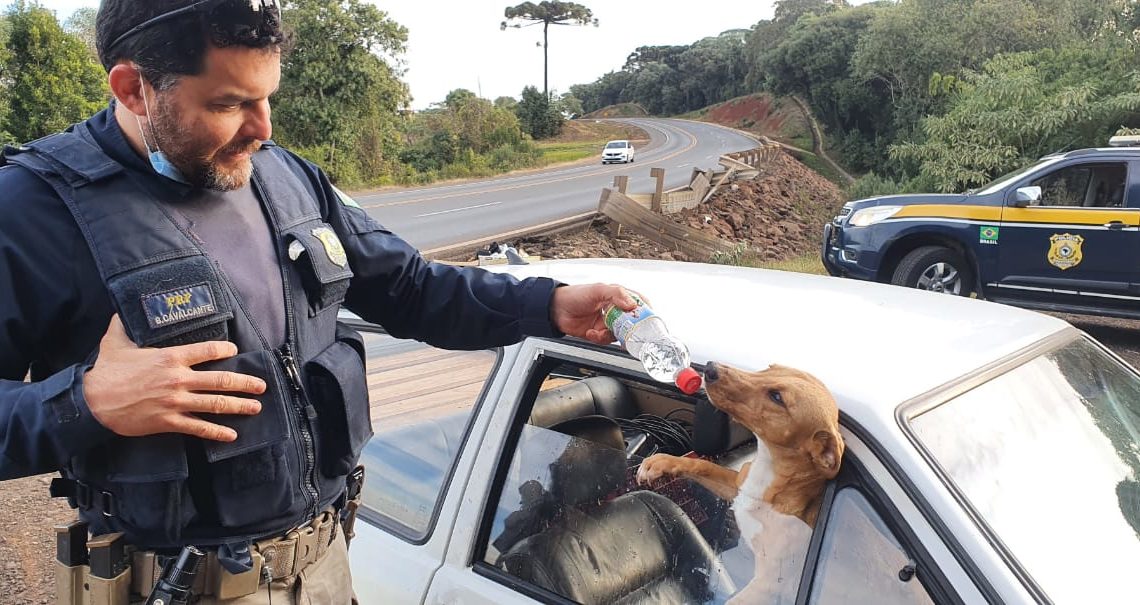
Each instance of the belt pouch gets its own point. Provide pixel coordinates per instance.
(231, 586)
(110, 591)
(69, 584)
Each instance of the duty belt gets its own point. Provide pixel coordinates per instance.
(285, 557)
(275, 558)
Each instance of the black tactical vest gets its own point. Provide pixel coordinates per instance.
(290, 460)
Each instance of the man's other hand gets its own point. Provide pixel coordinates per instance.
(577, 310)
(136, 391)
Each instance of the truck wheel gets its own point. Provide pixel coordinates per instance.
(937, 269)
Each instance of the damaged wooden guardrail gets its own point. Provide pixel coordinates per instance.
(646, 214)
(702, 183)
(632, 215)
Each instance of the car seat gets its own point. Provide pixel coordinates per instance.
(570, 467)
(637, 548)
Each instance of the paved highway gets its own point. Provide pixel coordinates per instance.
(442, 215)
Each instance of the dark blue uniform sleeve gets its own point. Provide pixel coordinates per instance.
(443, 305)
(45, 421)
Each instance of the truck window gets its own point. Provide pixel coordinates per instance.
(1085, 185)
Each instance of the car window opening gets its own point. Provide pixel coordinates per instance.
(572, 488)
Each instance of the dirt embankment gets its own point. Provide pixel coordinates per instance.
(779, 215)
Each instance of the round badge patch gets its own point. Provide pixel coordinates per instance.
(333, 247)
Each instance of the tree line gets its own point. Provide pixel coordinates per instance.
(342, 101)
(923, 94)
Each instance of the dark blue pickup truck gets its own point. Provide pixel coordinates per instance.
(1061, 235)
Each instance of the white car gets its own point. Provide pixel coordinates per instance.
(992, 454)
(618, 151)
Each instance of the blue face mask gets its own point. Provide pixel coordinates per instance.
(158, 160)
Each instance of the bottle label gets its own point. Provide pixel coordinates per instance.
(622, 323)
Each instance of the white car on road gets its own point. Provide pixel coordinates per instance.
(618, 151)
(993, 454)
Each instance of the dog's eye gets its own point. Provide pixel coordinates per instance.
(775, 396)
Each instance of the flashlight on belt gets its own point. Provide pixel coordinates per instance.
(174, 587)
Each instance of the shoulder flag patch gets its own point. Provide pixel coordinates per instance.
(345, 199)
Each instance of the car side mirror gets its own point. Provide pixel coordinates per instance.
(1026, 196)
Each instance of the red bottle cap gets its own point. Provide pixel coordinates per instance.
(689, 381)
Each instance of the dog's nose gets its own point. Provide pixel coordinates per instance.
(711, 373)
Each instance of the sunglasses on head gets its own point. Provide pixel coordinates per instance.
(236, 19)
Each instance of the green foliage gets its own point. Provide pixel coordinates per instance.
(538, 117)
(5, 59)
(505, 102)
(569, 105)
(873, 185)
(48, 77)
(813, 61)
(340, 96)
(464, 136)
(550, 12)
(81, 24)
(740, 255)
(870, 73)
(670, 80)
(1021, 106)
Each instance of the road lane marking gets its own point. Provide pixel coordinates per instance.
(692, 144)
(457, 209)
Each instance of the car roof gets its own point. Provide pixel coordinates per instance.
(874, 346)
(1106, 152)
(617, 141)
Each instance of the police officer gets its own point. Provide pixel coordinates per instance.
(171, 283)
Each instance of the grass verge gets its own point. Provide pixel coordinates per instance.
(808, 263)
(742, 256)
(556, 153)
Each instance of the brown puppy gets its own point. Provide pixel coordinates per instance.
(776, 496)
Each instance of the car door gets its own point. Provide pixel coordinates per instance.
(506, 536)
(875, 543)
(465, 576)
(1078, 243)
(425, 409)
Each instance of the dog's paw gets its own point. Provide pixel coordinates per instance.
(658, 466)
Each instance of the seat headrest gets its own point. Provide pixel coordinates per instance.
(587, 471)
(599, 429)
(601, 395)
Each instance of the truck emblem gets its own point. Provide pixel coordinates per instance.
(1065, 250)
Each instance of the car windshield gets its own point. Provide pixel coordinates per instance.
(1016, 174)
(1048, 455)
(615, 145)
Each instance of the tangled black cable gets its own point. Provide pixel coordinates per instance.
(671, 436)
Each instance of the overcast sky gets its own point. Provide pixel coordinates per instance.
(458, 44)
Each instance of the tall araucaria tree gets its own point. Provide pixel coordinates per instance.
(547, 13)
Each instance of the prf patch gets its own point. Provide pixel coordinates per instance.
(1065, 250)
(182, 304)
(332, 245)
(987, 234)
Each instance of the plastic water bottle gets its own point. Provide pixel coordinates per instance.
(644, 335)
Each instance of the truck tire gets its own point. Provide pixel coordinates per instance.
(935, 269)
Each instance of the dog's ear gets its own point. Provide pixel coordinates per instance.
(826, 450)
